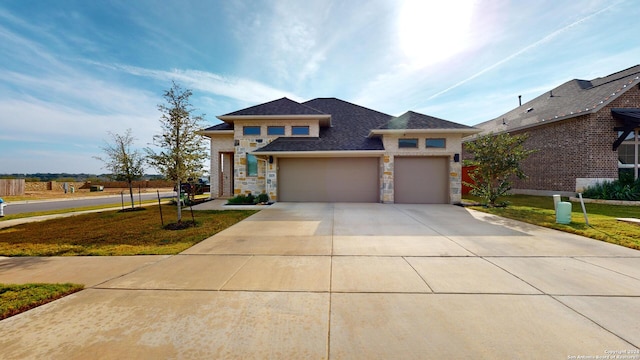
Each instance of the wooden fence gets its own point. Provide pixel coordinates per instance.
(11, 187)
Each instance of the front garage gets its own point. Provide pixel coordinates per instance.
(421, 180)
(328, 179)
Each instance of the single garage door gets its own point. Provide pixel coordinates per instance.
(328, 179)
(421, 180)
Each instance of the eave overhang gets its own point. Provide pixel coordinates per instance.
(211, 133)
(325, 153)
(380, 132)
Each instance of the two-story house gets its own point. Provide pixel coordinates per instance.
(330, 150)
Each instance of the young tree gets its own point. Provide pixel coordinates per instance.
(182, 150)
(124, 163)
(496, 158)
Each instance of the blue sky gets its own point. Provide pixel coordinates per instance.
(71, 71)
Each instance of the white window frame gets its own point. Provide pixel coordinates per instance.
(636, 144)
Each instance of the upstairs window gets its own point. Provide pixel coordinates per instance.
(407, 143)
(251, 130)
(252, 165)
(435, 143)
(275, 130)
(299, 130)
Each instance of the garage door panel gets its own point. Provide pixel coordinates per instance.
(328, 179)
(421, 180)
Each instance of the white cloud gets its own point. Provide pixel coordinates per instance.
(233, 87)
(37, 121)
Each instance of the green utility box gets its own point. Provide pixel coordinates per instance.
(563, 213)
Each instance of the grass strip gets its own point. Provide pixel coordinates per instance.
(112, 233)
(539, 210)
(15, 299)
(78, 209)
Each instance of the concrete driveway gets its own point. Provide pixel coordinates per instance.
(343, 281)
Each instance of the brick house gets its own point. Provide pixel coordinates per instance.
(330, 150)
(584, 131)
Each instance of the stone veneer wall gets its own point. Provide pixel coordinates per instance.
(266, 181)
(245, 184)
(453, 146)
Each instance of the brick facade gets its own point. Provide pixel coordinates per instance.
(573, 153)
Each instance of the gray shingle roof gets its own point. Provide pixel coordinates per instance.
(220, 127)
(414, 120)
(571, 99)
(350, 128)
(282, 106)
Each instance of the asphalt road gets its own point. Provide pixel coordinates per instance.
(47, 205)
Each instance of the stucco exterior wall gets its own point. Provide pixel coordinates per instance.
(219, 144)
(314, 127)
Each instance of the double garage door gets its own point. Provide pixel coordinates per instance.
(418, 180)
(328, 179)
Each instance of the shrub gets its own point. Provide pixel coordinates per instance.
(614, 190)
(263, 198)
(248, 199)
(242, 200)
(237, 200)
(496, 159)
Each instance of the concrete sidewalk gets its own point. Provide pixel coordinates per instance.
(343, 281)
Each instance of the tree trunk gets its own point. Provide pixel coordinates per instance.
(179, 204)
(131, 193)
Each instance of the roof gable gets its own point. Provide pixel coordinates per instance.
(350, 126)
(413, 121)
(283, 106)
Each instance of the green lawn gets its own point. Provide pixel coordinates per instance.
(115, 233)
(539, 210)
(15, 299)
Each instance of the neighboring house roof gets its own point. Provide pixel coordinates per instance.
(571, 99)
(282, 106)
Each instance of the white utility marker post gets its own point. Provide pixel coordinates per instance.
(584, 211)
